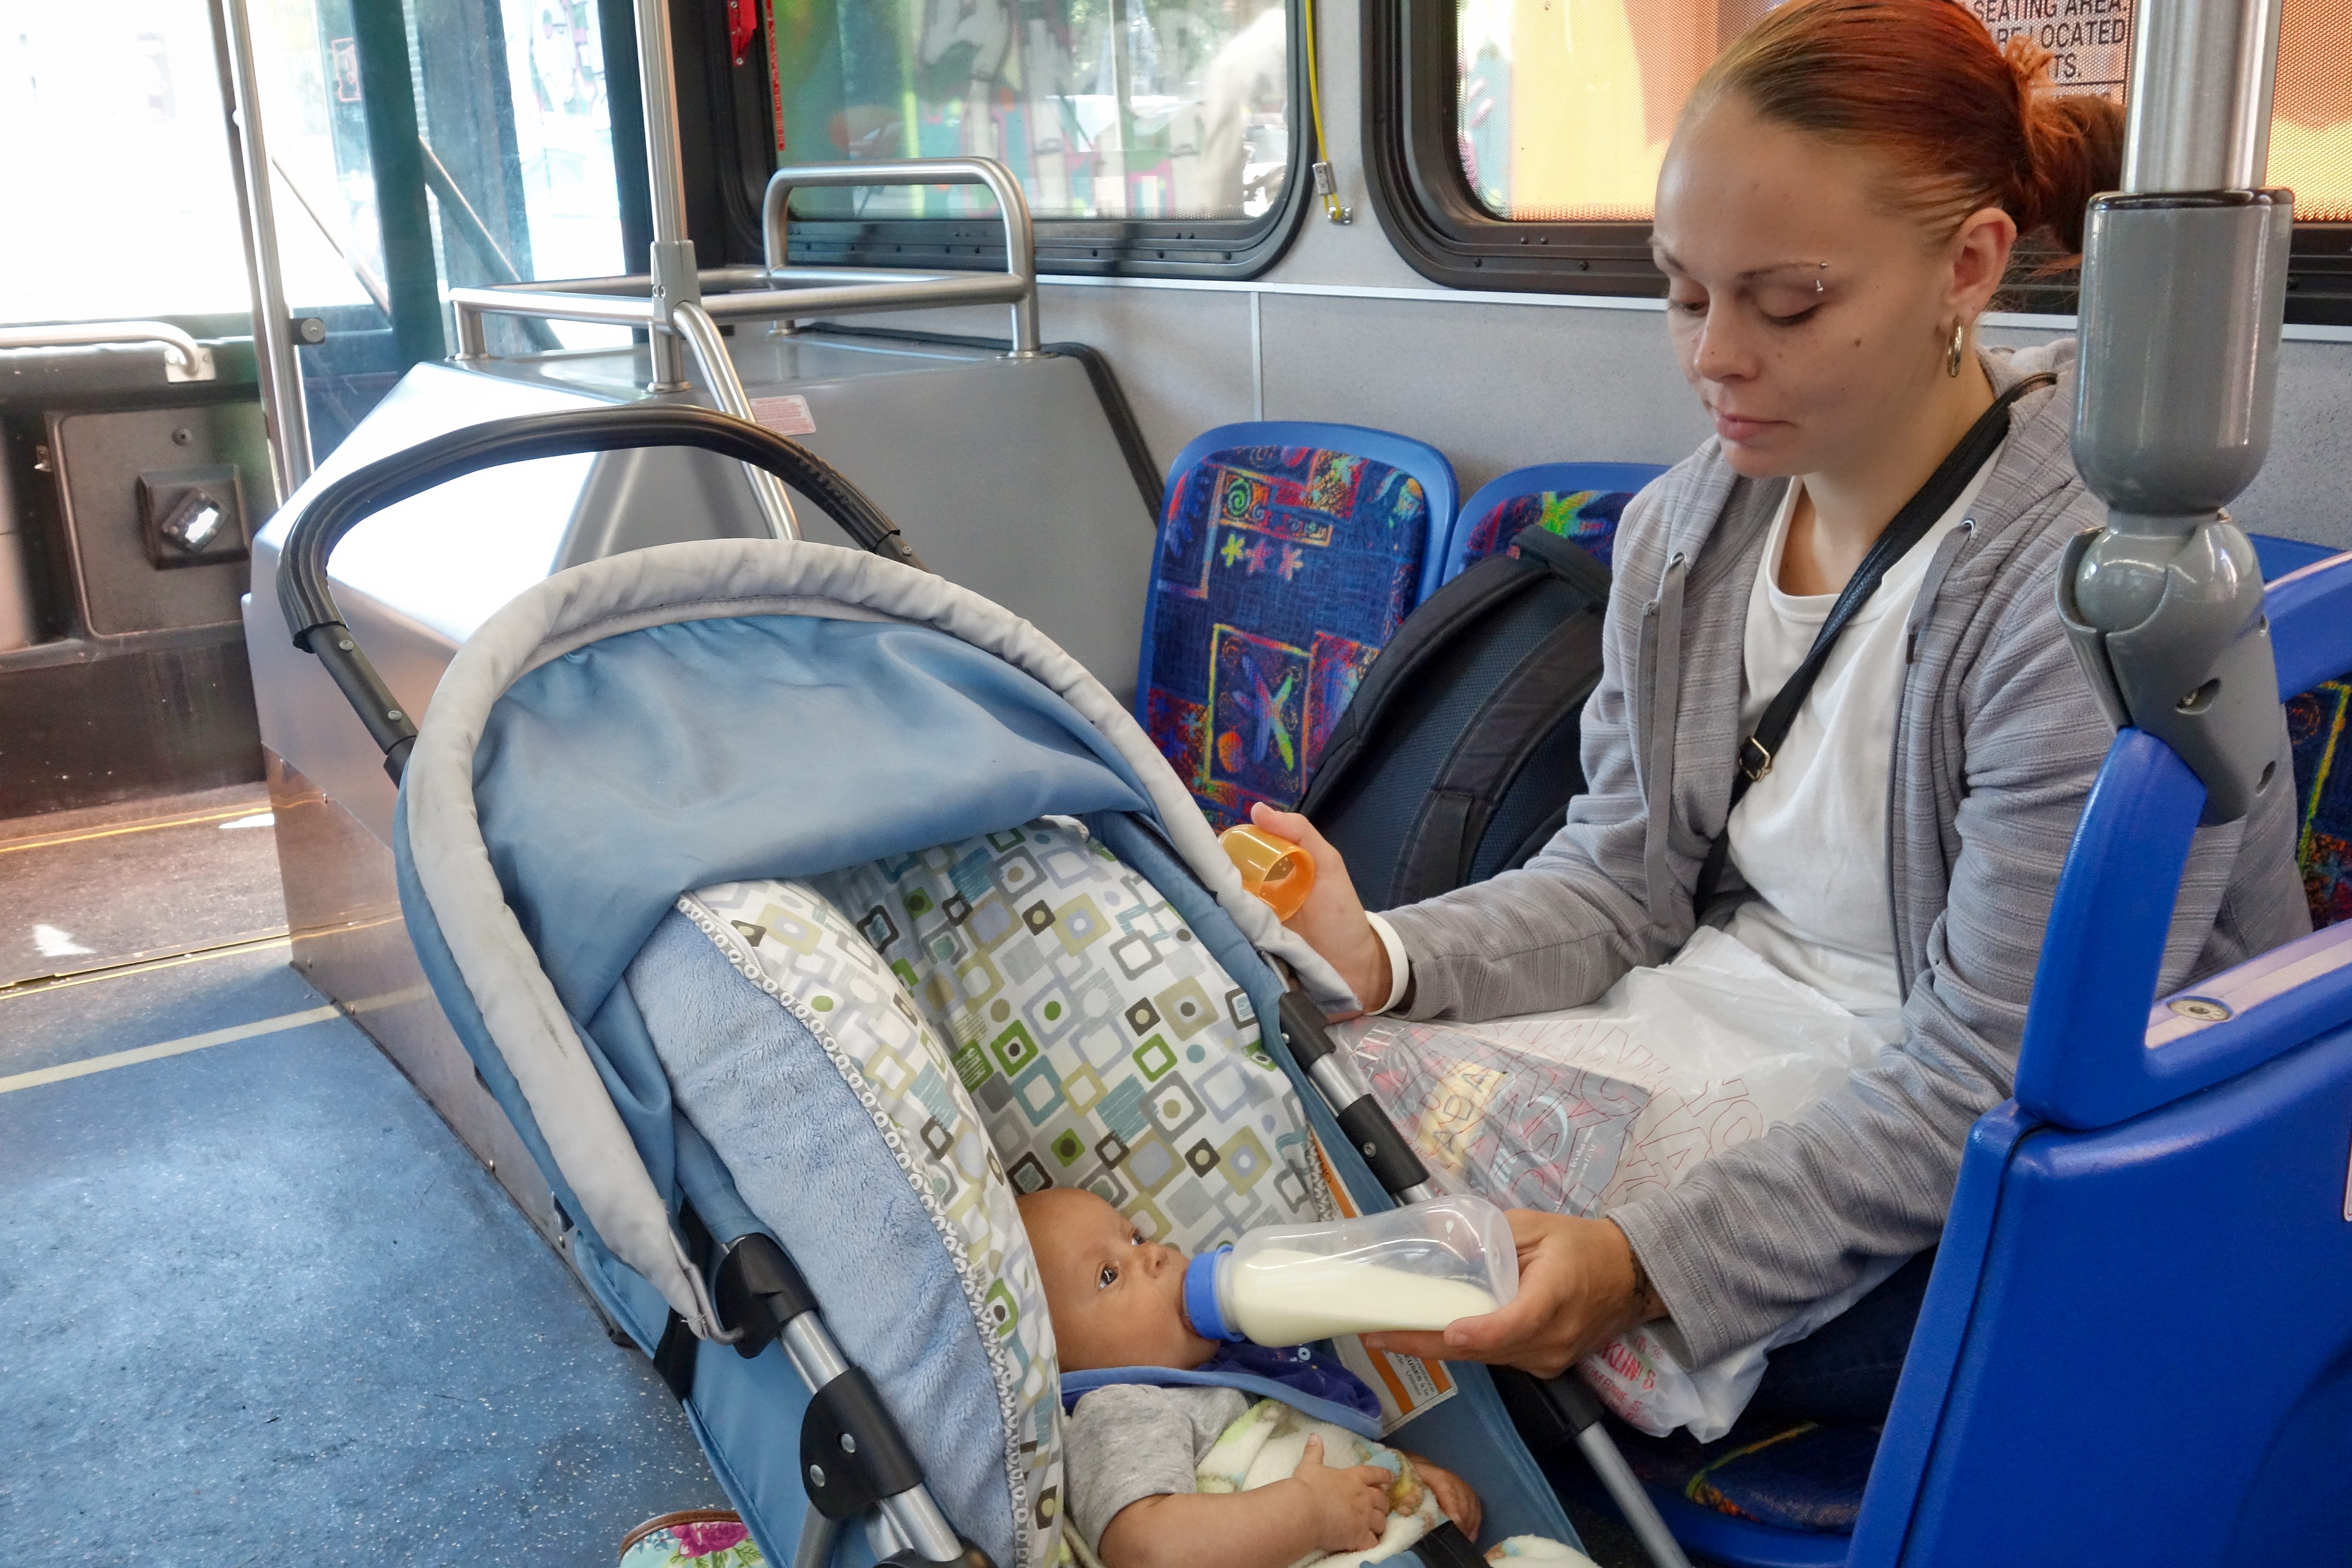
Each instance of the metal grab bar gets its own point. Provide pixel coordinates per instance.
(1020, 237)
(184, 359)
(701, 333)
(780, 291)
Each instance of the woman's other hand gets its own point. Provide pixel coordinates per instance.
(1332, 919)
(1579, 1288)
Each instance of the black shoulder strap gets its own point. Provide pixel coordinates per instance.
(1911, 524)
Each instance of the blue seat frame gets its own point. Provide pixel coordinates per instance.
(2135, 1345)
(1534, 479)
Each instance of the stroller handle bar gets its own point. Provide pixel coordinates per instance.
(308, 598)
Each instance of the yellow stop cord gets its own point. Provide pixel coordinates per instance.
(1327, 182)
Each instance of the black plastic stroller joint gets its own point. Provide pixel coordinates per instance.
(757, 1291)
(307, 600)
(1368, 1127)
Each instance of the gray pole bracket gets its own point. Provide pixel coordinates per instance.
(2167, 622)
(2183, 293)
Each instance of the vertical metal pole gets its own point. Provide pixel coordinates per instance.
(412, 272)
(273, 333)
(675, 277)
(696, 328)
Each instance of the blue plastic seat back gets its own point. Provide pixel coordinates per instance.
(2135, 1348)
(1581, 502)
(1290, 553)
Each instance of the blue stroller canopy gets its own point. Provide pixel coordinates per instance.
(610, 740)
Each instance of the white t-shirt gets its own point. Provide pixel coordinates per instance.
(1809, 837)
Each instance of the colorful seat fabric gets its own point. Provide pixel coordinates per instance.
(2323, 786)
(1588, 517)
(1281, 573)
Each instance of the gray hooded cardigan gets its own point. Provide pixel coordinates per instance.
(1997, 741)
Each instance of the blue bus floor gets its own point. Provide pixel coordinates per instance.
(257, 1305)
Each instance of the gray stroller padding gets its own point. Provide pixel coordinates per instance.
(757, 1085)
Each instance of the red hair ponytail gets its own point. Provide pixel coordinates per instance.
(1965, 123)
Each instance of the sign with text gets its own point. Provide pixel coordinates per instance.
(2089, 41)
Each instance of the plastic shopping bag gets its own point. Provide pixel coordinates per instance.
(1574, 1111)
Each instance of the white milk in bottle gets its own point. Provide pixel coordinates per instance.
(1418, 1266)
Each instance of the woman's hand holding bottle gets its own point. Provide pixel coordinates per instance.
(1579, 1286)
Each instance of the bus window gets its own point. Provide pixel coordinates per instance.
(1565, 106)
(1103, 108)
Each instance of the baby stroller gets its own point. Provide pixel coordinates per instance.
(799, 908)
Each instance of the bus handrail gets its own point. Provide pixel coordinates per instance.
(780, 291)
(184, 359)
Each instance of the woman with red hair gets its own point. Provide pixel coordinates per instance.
(1837, 209)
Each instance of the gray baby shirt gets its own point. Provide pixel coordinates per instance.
(1131, 1441)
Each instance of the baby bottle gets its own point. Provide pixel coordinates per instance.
(1418, 1266)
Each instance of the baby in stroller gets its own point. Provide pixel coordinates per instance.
(1203, 1474)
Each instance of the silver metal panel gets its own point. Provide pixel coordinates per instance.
(342, 911)
(1493, 387)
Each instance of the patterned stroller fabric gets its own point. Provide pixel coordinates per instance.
(1282, 570)
(1588, 518)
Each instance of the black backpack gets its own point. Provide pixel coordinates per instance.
(1457, 756)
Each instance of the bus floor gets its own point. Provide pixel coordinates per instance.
(257, 1304)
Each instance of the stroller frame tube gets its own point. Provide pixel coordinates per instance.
(1401, 1171)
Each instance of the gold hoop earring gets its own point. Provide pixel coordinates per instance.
(1959, 341)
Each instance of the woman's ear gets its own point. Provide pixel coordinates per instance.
(1979, 259)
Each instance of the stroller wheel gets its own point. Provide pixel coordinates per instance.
(691, 1538)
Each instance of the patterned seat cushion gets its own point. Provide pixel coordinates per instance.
(1791, 1475)
(1281, 573)
(1104, 1046)
(1587, 517)
(2323, 785)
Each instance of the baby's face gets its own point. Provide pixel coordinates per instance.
(1116, 1298)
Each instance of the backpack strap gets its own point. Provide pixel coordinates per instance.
(1910, 525)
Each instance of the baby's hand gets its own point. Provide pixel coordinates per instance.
(1453, 1495)
(1352, 1506)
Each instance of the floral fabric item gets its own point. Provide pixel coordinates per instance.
(788, 938)
(1102, 1045)
(704, 1538)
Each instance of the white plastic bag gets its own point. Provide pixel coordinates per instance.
(1574, 1111)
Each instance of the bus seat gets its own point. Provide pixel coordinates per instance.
(1289, 553)
(2138, 1296)
(1580, 500)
